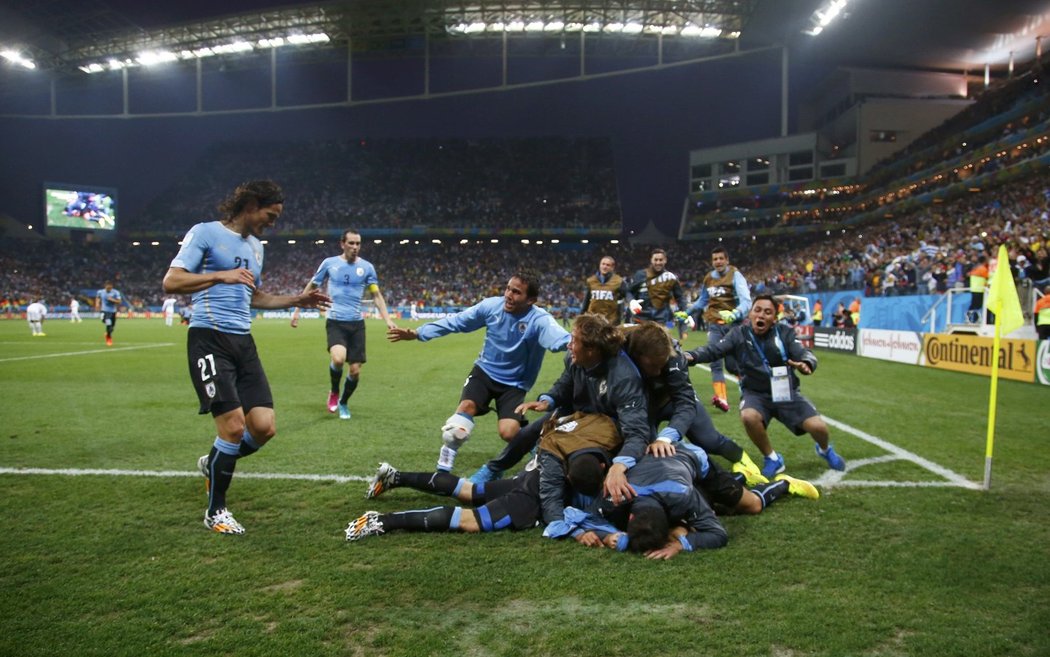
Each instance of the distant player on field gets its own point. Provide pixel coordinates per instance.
(348, 276)
(724, 300)
(35, 314)
(517, 336)
(107, 301)
(74, 311)
(169, 310)
(220, 264)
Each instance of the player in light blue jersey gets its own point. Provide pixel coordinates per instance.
(107, 301)
(517, 336)
(348, 276)
(220, 264)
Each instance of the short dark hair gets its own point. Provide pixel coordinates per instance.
(264, 192)
(647, 528)
(531, 279)
(655, 251)
(765, 297)
(595, 332)
(586, 473)
(349, 231)
(720, 249)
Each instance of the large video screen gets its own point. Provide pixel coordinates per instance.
(80, 207)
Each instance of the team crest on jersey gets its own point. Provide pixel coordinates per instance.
(603, 387)
(258, 258)
(209, 389)
(360, 271)
(521, 327)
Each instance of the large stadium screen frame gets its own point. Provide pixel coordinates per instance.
(74, 207)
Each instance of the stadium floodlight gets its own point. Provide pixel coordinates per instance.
(94, 67)
(592, 27)
(823, 16)
(154, 243)
(534, 26)
(275, 42)
(690, 30)
(632, 28)
(464, 241)
(554, 26)
(524, 241)
(613, 27)
(494, 241)
(669, 30)
(200, 53)
(236, 46)
(304, 39)
(574, 27)
(711, 32)
(136, 244)
(16, 57)
(457, 28)
(498, 26)
(377, 241)
(435, 241)
(475, 27)
(291, 241)
(516, 26)
(152, 57)
(115, 64)
(585, 241)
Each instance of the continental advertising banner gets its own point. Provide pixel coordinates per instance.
(899, 346)
(973, 354)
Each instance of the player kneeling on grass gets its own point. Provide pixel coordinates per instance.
(768, 355)
(501, 504)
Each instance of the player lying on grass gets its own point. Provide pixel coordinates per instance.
(509, 503)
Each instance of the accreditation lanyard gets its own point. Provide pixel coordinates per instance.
(779, 382)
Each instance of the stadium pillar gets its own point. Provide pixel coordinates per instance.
(784, 92)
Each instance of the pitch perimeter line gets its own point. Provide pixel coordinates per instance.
(834, 478)
(76, 472)
(90, 351)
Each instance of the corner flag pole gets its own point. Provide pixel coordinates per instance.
(1003, 301)
(993, 396)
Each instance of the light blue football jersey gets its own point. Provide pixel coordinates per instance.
(347, 282)
(211, 247)
(514, 344)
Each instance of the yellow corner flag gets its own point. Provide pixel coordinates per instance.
(1002, 296)
(1002, 300)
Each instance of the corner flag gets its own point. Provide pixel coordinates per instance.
(1003, 301)
(1002, 296)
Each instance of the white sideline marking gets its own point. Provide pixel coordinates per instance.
(77, 472)
(833, 478)
(89, 351)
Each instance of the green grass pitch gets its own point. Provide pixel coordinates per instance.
(114, 564)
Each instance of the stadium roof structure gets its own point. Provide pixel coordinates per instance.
(64, 35)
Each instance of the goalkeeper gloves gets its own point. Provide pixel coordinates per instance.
(687, 318)
(635, 306)
(727, 316)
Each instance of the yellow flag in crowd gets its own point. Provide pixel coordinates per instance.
(1002, 296)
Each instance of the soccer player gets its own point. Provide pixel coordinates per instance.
(108, 300)
(35, 314)
(169, 310)
(769, 354)
(665, 373)
(348, 276)
(517, 334)
(220, 264)
(74, 311)
(724, 300)
(606, 291)
(599, 378)
(651, 290)
(513, 503)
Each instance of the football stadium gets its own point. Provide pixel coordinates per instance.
(693, 327)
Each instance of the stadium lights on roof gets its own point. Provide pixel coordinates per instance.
(16, 57)
(614, 27)
(160, 56)
(823, 16)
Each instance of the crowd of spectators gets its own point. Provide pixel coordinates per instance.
(927, 251)
(401, 184)
(1002, 127)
